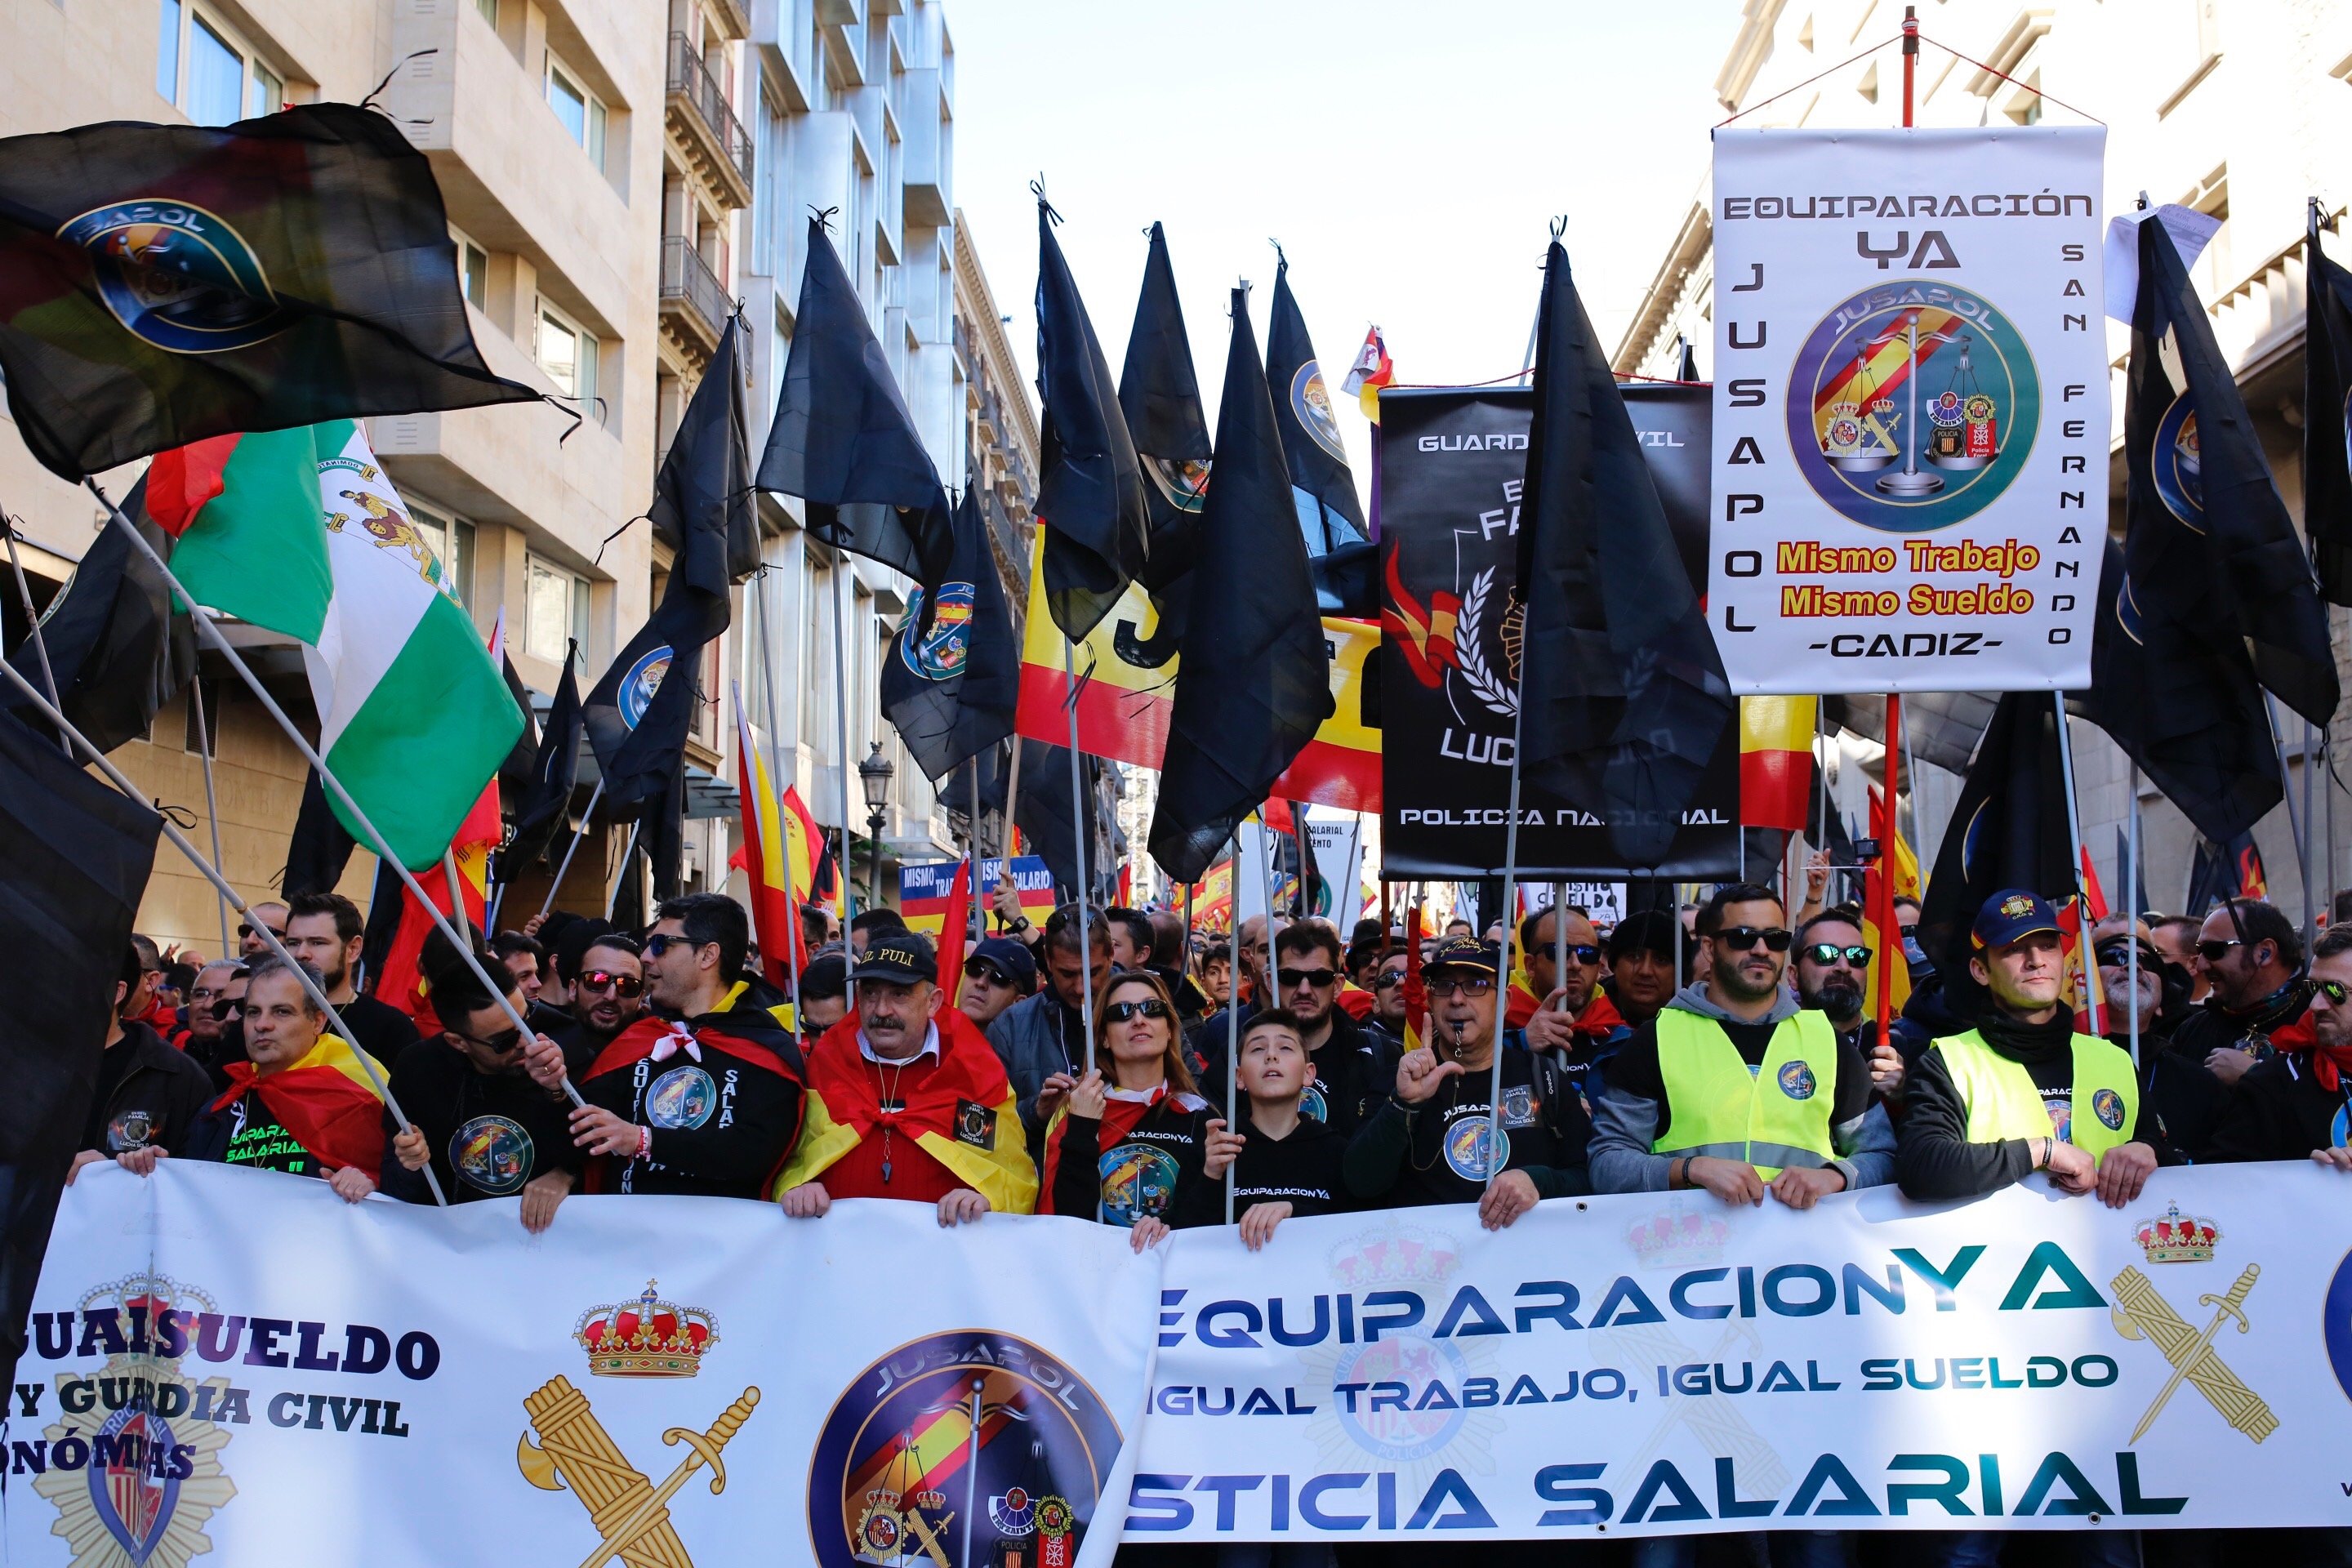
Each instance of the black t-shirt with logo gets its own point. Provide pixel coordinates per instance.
(489, 1134)
(1436, 1151)
(257, 1141)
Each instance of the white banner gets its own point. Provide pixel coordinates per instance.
(1910, 477)
(235, 1363)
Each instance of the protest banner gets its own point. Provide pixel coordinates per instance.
(226, 1361)
(923, 889)
(1910, 444)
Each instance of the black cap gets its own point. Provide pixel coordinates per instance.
(903, 956)
(1012, 958)
(1465, 952)
(825, 977)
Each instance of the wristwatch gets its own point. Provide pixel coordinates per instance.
(1018, 922)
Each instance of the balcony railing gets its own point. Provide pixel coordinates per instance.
(692, 79)
(685, 278)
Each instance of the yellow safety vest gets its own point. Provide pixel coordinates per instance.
(1772, 1116)
(2004, 1103)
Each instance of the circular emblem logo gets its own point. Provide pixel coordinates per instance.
(131, 1130)
(1183, 484)
(492, 1154)
(682, 1098)
(177, 277)
(891, 1461)
(1312, 403)
(1467, 1146)
(1138, 1182)
(1312, 1105)
(1401, 1435)
(2335, 1324)
(637, 687)
(943, 653)
(2108, 1107)
(1797, 1081)
(1911, 407)
(2176, 465)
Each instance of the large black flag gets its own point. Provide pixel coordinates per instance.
(542, 807)
(1159, 395)
(2327, 417)
(708, 469)
(115, 646)
(1048, 828)
(165, 283)
(515, 771)
(74, 859)
(842, 439)
(1329, 514)
(1258, 677)
(321, 847)
(1624, 697)
(951, 691)
(1090, 488)
(2008, 830)
(2206, 540)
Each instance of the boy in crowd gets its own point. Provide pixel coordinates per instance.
(1289, 1161)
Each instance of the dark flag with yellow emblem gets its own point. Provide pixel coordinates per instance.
(160, 284)
(949, 690)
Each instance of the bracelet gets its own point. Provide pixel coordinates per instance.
(1679, 1172)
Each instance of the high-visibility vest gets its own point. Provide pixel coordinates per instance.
(2004, 1103)
(1771, 1116)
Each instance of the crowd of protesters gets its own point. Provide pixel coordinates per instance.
(1725, 1048)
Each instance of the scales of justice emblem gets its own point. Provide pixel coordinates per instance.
(1862, 435)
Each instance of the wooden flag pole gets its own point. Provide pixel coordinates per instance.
(75, 740)
(1012, 797)
(372, 836)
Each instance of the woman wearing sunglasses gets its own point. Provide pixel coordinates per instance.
(1135, 1144)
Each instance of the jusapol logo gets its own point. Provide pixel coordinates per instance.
(177, 276)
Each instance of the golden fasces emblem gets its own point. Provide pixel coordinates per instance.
(2141, 1314)
(630, 1513)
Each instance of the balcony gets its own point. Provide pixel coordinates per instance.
(694, 307)
(696, 112)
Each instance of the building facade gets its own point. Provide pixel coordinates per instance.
(2238, 108)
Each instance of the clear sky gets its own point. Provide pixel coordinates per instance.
(1407, 155)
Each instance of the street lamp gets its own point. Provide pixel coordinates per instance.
(874, 776)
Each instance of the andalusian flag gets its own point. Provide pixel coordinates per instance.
(1775, 762)
(300, 532)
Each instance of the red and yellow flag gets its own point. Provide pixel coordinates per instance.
(775, 917)
(1776, 761)
(807, 854)
(1895, 874)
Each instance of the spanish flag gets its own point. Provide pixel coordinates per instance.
(775, 917)
(814, 879)
(326, 1100)
(1894, 859)
(401, 983)
(1776, 761)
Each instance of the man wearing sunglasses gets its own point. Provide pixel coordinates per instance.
(272, 914)
(2253, 955)
(477, 1120)
(201, 1020)
(608, 995)
(999, 972)
(702, 1098)
(1351, 1071)
(2298, 1104)
(1833, 974)
(1575, 1021)
(2022, 1091)
(1734, 1087)
(1043, 1041)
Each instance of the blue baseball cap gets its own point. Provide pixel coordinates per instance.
(1010, 958)
(2010, 914)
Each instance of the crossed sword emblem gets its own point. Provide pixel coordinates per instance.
(630, 1513)
(2140, 1313)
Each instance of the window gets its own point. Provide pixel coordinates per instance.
(577, 108)
(167, 51)
(474, 273)
(554, 611)
(489, 10)
(268, 92)
(202, 66)
(452, 542)
(569, 357)
(215, 77)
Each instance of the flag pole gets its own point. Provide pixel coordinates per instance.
(2295, 822)
(772, 806)
(40, 643)
(1883, 907)
(841, 600)
(1496, 1155)
(573, 848)
(1080, 820)
(613, 897)
(1234, 996)
(2131, 893)
(1012, 796)
(212, 802)
(1559, 936)
(2083, 953)
(456, 892)
(2309, 867)
(372, 836)
(75, 740)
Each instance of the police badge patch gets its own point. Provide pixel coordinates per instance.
(975, 1125)
(1797, 1081)
(1519, 1107)
(2108, 1107)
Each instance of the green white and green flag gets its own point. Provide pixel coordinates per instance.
(301, 531)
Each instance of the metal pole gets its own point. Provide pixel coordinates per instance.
(1234, 996)
(457, 889)
(370, 834)
(613, 897)
(75, 740)
(2131, 895)
(573, 848)
(1910, 62)
(1559, 937)
(212, 802)
(33, 623)
(1495, 1152)
(841, 600)
(1883, 907)
(2295, 820)
(2074, 872)
(2309, 865)
(2327, 793)
(1080, 829)
(772, 808)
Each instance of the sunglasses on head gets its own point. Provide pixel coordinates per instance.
(621, 986)
(1831, 952)
(1317, 978)
(1739, 938)
(1150, 1007)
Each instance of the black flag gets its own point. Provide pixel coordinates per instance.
(1161, 397)
(1090, 488)
(2206, 540)
(842, 439)
(542, 807)
(1328, 515)
(1048, 830)
(950, 691)
(661, 833)
(115, 646)
(170, 282)
(2008, 830)
(2327, 417)
(1257, 675)
(321, 845)
(515, 771)
(708, 469)
(1623, 695)
(74, 859)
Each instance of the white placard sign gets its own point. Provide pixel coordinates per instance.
(1910, 465)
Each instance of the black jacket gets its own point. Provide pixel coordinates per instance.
(1353, 1072)
(148, 1093)
(1152, 1172)
(487, 1133)
(378, 1028)
(722, 1126)
(1303, 1170)
(1934, 1160)
(2280, 1111)
(1433, 1152)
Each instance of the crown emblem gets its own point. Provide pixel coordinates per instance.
(1395, 1254)
(1678, 1238)
(647, 1337)
(2174, 1238)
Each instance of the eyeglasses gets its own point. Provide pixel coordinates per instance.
(2335, 991)
(243, 930)
(662, 942)
(985, 972)
(1739, 938)
(1831, 952)
(1584, 953)
(2215, 952)
(1150, 1007)
(1387, 980)
(1317, 978)
(500, 1044)
(1476, 985)
(621, 986)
